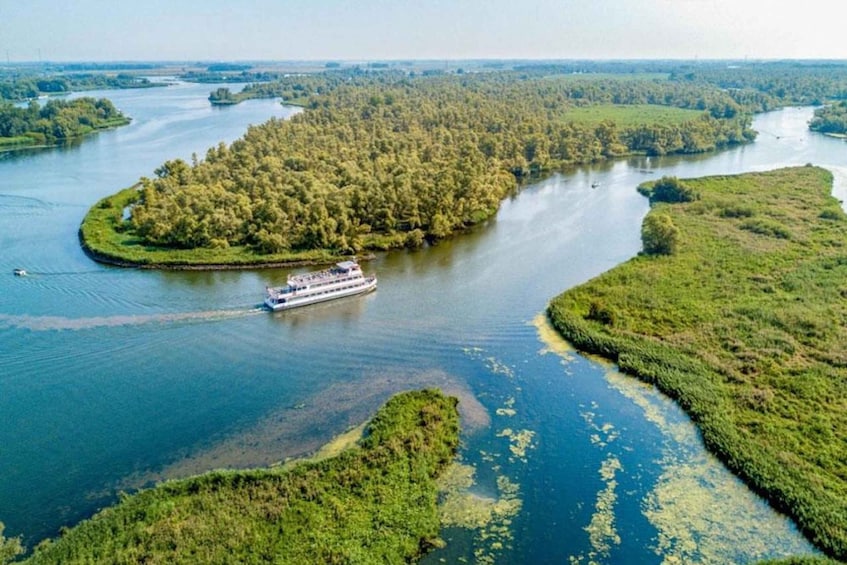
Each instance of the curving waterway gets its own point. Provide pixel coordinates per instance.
(112, 379)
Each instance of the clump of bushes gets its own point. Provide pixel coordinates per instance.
(659, 235)
(668, 189)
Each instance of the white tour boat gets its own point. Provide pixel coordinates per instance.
(344, 279)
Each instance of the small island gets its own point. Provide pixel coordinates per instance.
(57, 122)
(375, 502)
(736, 309)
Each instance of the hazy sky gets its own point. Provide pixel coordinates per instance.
(70, 30)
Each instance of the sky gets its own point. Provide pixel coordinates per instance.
(254, 30)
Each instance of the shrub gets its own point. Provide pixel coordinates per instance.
(659, 235)
(598, 312)
(670, 189)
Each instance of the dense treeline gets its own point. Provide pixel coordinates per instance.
(57, 121)
(28, 87)
(743, 324)
(385, 160)
(222, 76)
(773, 84)
(373, 503)
(298, 88)
(830, 119)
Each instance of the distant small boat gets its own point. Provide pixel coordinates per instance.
(19, 272)
(595, 184)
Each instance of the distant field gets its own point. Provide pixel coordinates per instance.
(628, 115)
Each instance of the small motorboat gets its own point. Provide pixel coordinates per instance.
(19, 272)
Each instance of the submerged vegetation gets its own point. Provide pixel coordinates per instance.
(384, 161)
(743, 326)
(374, 503)
(56, 122)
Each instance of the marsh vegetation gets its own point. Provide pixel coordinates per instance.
(742, 323)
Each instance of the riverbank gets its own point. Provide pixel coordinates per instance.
(321, 511)
(742, 326)
(104, 239)
(31, 142)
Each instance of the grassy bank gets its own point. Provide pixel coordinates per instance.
(374, 503)
(104, 237)
(744, 325)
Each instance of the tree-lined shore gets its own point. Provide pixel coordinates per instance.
(56, 122)
(388, 161)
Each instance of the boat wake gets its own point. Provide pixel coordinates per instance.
(58, 323)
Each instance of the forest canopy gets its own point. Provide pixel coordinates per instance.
(384, 160)
(830, 119)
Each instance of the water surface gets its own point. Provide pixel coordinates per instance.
(111, 379)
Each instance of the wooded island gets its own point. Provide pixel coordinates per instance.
(387, 160)
(57, 122)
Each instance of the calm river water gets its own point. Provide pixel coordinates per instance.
(112, 379)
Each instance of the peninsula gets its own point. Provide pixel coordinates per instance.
(736, 310)
(386, 160)
(373, 503)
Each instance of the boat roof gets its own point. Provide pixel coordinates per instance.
(347, 265)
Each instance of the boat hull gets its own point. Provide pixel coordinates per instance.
(298, 302)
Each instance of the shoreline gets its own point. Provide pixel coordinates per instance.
(68, 141)
(108, 213)
(705, 352)
(106, 259)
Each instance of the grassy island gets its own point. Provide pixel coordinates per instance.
(741, 319)
(373, 503)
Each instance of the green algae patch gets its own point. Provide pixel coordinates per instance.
(601, 531)
(519, 441)
(552, 339)
(743, 325)
(508, 408)
(373, 503)
(490, 517)
(701, 513)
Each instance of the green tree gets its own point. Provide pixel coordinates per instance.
(9, 547)
(671, 189)
(659, 235)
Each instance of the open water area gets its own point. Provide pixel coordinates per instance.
(113, 379)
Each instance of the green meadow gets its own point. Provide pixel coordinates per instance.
(743, 320)
(631, 115)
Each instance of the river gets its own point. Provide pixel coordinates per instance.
(112, 379)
